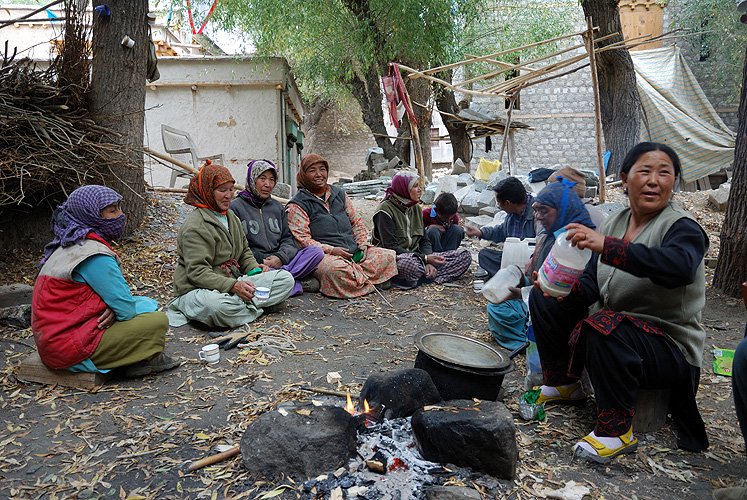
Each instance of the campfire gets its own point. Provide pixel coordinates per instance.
(368, 420)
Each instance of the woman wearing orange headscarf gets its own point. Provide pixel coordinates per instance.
(323, 216)
(210, 282)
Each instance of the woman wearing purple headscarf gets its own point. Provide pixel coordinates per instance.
(84, 317)
(398, 225)
(265, 225)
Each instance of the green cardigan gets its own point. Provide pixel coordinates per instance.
(203, 245)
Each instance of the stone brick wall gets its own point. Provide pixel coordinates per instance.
(561, 111)
(343, 140)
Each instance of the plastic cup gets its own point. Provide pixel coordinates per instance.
(210, 354)
(261, 293)
(128, 42)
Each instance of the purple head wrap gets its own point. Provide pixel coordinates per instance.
(81, 214)
(257, 168)
(402, 183)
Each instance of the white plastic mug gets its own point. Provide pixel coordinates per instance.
(261, 293)
(128, 42)
(210, 354)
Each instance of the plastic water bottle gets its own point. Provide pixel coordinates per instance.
(534, 368)
(515, 253)
(496, 289)
(562, 267)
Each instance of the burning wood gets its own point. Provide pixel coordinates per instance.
(369, 419)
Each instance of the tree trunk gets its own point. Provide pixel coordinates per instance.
(420, 92)
(369, 97)
(731, 270)
(618, 94)
(461, 145)
(117, 98)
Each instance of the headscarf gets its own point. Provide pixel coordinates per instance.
(257, 168)
(80, 214)
(562, 197)
(303, 181)
(202, 185)
(402, 183)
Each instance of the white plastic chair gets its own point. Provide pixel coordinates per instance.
(179, 142)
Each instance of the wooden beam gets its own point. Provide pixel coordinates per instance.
(589, 39)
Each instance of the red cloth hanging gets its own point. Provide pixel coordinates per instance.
(394, 91)
(192, 24)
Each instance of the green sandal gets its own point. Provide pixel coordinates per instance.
(603, 454)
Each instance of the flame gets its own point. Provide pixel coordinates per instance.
(349, 407)
(366, 409)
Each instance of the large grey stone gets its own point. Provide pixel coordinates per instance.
(428, 196)
(486, 199)
(446, 184)
(459, 167)
(478, 221)
(460, 193)
(610, 208)
(480, 435)
(282, 190)
(480, 185)
(719, 197)
(465, 179)
(402, 392)
(15, 305)
(489, 211)
(451, 493)
(469, 204)
(495, 178)
(299, 439)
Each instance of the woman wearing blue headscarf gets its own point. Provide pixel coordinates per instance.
(556, 206)
(83, 316)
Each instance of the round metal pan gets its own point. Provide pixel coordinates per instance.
(461, 351)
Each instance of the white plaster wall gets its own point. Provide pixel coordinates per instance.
(31, 39)
(228, 106)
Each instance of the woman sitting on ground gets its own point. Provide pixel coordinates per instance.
(398, 225)
(323, 216)
(210, 281)
(84, 317)
(555, 207)
(442, 223)
(645, 284)
(265, 225)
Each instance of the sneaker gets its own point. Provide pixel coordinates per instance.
(160, 363)
(310, 284)
(274, 308)
(480, 273)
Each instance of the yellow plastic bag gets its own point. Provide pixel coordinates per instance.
(485, 168)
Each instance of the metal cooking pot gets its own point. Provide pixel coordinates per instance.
(461, 367)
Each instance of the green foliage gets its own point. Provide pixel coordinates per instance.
(721, 44)
(329, 42)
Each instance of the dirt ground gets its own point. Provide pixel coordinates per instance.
(132, 438)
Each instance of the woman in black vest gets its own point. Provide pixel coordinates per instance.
(323, 216)
(266, 228)
(632, 318)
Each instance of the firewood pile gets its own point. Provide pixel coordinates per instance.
(49, 144)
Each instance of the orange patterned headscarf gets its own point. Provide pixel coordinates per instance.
(203, 184)
(301, 178)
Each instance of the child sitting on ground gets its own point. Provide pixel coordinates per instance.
(442, 224)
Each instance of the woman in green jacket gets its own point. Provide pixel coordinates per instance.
(211, 283)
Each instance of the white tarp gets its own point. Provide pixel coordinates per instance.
(679, 114)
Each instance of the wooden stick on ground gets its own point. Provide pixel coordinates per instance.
(213, 459)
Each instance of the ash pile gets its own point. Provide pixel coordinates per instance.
(408, 444)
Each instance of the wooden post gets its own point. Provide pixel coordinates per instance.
(506, 129)
(589, 41)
